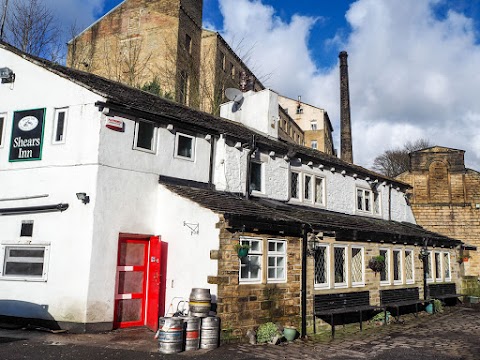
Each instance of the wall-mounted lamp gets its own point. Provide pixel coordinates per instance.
(208, 137)
(271, 154)
(332, 169)
(310, 163)
(321, 166)
(343, 172)
(170, 127)
(7, 75)
(83, 197)
(238, 145)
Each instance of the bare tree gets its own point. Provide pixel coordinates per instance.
(33, 28)
(396, 161)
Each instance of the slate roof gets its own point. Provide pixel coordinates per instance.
(259, 211)
(157, 109)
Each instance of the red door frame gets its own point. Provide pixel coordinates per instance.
(153, 296)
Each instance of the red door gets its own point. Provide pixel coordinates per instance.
(140, 289)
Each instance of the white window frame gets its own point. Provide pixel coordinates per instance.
(379, 197)
(362, 252)
(310, 188)
(449, 278)
(341, 285)
(400, 266)
(55, 124)
(439, 275)
(299, 186)
(430, 279)
(325, 285)
(323, 190)
(177, 138)
(3, 128)
(154, 137)
(313, 125)
(251, 253)
(363, 209)
(4, 258)
(314, 144)
(388, 260)
(412, 280)
(262, 178)
(276, 255)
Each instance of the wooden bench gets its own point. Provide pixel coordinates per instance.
(397, 298)
(341, 303)
(443, 291)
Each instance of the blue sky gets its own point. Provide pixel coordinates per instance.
(413, 64)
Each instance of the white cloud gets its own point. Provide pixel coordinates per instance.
(411, 74)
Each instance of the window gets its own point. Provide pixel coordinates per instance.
(364, 200)
(314, 144)
(222, 60)
(232, 70)
(277, 259)
(385, 273)
(438, 266)
(376, 203)
(313, 125)
(409, 267)
(188, 43)
(3, 118)
(145, 136)
(295, 186)
(183, 87)
(256, 176)
(307, 188)
(299, 110)
(251, 265)
(397, 267)
(358, 266)
(340, 266)
(429, 267)
(184, 146)
(319, 191)
(26, 262)
(446, 267)
(59, 126)
(322, 266)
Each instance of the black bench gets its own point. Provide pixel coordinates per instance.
(341, 303)
(443, 291)
(397, 298)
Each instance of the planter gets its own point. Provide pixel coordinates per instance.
(290, 333)
(429, 308)
(242, 252)
(465, 259)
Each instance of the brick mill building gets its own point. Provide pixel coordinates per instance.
(445, 197)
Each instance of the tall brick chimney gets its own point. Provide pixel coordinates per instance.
(346, 152)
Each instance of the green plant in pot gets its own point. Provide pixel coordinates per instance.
(242, 249)
(377, 264)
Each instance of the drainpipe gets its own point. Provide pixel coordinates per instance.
(424, 253)
(304, 281)
(249, 167)
(390, 202)
(212, 163)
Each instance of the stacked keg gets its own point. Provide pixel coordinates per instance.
(198, 330)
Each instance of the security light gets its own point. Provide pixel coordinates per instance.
(83, 197)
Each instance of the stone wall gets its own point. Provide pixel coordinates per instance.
(245, 306)
(446, 198)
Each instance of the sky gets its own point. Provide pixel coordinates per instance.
(413, 64)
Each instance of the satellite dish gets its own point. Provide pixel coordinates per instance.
(234, 95)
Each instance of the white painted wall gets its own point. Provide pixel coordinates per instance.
(188, 254)
(68, 234)
(117, 150)
(258, 111)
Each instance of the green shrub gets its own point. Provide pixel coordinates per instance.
(266, 332)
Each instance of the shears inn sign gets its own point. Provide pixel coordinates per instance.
(27, 135)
